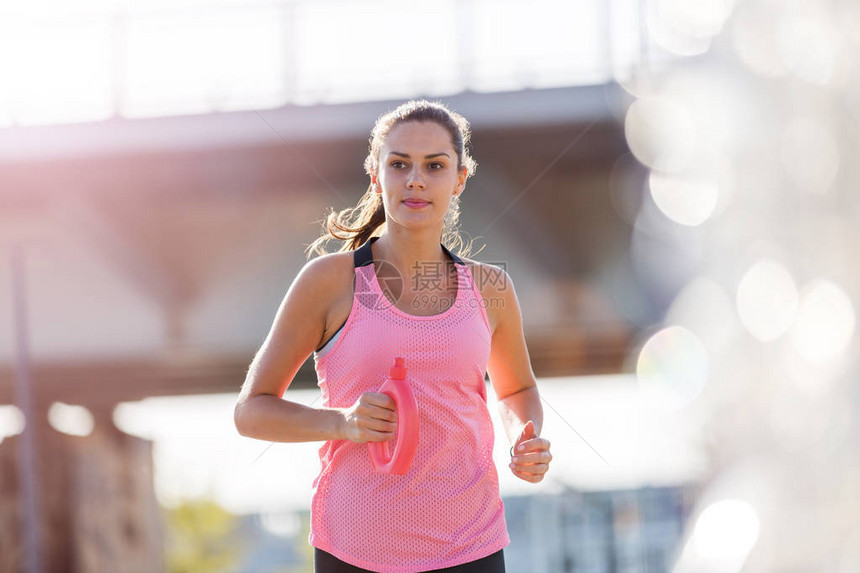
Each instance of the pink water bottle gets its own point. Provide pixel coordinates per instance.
(406, 433)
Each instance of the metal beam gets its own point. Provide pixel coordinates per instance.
(28, 474)
(524, 108)
(554, 352)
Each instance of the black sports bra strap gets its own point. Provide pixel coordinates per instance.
(457, 260)
(363, 256)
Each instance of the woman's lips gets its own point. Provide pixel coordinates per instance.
(415, 204)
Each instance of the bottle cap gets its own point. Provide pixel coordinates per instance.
(398, 371)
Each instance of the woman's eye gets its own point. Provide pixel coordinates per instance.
(397, 164)
(437, 165)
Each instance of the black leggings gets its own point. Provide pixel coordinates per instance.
(328, 563)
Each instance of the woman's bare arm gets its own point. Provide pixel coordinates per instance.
(298, 327)
(515, 386)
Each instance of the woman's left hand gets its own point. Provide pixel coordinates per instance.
(531, 455)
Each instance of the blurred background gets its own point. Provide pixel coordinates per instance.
(672, 186)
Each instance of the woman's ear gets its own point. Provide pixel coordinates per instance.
(461, 180)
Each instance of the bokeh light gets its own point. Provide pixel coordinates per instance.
(672, 368)
(684, 200)
(660, 133)
(71, 419)
(825, 322)
(724, 533)
(805, 41)
(704, 308)
(774, 98)
(767, 300)
(702, 19)
(11, 421)
(683, 28)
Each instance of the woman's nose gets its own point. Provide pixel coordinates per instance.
(415, 180)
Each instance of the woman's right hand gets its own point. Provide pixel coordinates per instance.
(373, 418)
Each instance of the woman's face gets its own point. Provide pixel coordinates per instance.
(418, 173)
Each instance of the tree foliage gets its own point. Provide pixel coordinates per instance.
(201, 538)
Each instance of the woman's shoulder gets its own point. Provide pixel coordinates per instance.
(327, 283)
(332, 261)
(330, 267)
(495, 286)
(327, 275)
(489, 278)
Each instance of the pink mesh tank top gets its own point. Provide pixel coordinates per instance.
(446, 510)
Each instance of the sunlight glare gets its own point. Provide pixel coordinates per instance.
(767, 300)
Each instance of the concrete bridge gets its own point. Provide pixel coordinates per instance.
(158, 250)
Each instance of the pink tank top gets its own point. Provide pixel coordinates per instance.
(446, 510)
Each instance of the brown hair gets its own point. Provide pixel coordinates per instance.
(355, 225)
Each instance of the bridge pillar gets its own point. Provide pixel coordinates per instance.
(97, 507)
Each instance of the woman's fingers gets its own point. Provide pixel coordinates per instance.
(382, 426)
(372, 418)
(532, 458)
(378, 406)
(533, 474)
(540, 467)
(532, 461)
(378, 436)
(377, 424)
(381, 416)
(532, 445)
(530, 477)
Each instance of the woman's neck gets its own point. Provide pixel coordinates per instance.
(408, 252)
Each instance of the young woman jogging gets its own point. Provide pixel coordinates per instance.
(394, 289)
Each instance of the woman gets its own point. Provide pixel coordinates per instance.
(394, 289)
